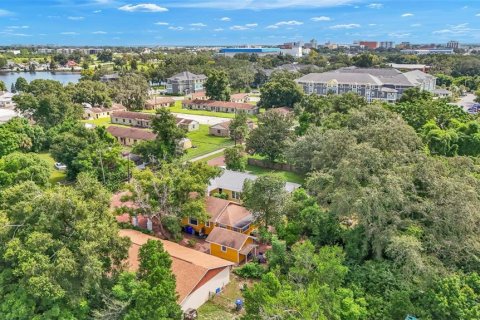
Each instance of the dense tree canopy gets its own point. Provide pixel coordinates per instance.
(58, 247)
(280, 91)
(217, 86)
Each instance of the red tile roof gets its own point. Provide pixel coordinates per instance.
(221, 104)
(114, 107)
(132, 133)
(133, 115)
(191, 268)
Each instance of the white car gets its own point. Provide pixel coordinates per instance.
(60, 166)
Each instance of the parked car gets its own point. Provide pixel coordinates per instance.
(60, 166)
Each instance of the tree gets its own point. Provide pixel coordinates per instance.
(477, 96)
(3, 61)
(17, 167)
(415, 94)
(131, 90)
(280, 91)
(173, 192)
(238, 128)
(217, 86)
(235, 158)
(95, 93)
(456, 297)
(366, 60)
(154, 281)
(270, 138)
(310, 289)
(60, 246)
(105, 56)
(166, 145)
(3, 87)
(18, 135)
(94, 151)
(265, 197)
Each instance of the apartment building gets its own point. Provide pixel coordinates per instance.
(373, 84)
(185, 83)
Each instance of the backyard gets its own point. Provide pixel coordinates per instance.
(56, 176)
(204, 143)
(222, 307)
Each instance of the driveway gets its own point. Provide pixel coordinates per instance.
(202, 119)
(466, 101)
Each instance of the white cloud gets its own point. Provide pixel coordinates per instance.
(218, 29)
(160, 23)
(372, 24)
(99, 32)
(225, 19)
(399, 34)
(289, 23)
(69, 33)
(175, 28)
(405, 15)
(321, 18)
(459, 29)
(97, 11)
(477, 15)
(260, 4)
(237, 28)
(272, 26)
(345, 26)
(17, 27)
(4, 13)
(198, 24)
(251, 25)
(415, 25)
(76, 18)
(375, 6)
(143, 7)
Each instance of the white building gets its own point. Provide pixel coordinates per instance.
(6, 99)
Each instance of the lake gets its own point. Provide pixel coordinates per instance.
(63, 77)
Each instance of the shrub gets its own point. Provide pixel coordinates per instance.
(250, 270)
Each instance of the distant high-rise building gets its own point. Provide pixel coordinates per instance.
(453, 44)
(386, 44)
(404, 45)
(372, 45)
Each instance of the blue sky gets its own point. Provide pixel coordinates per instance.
(230, 22)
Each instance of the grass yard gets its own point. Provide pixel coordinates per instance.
(222, 307)
(205, 143)
(99, 122)
(56, 176)
(288, 176)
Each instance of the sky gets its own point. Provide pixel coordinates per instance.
(235, 22)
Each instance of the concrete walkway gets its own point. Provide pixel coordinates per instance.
(219, 151)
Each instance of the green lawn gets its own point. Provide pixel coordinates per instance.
(288, 176)
(55, 175)
(99, 122)
(205, 143)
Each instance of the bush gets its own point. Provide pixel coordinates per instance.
(191, 243)
(250, 270)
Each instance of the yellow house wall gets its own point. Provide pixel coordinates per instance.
(225, 191)
(230, 254)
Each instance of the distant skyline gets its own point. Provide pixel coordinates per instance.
(235, 22)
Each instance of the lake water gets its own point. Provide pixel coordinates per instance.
(63, 77)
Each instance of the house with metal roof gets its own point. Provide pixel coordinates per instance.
(231, 183)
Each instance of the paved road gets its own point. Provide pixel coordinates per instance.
(7, 114)
(466, 101)
(202, 119)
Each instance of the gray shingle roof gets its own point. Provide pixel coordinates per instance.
(186, 75)
(341, 77)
